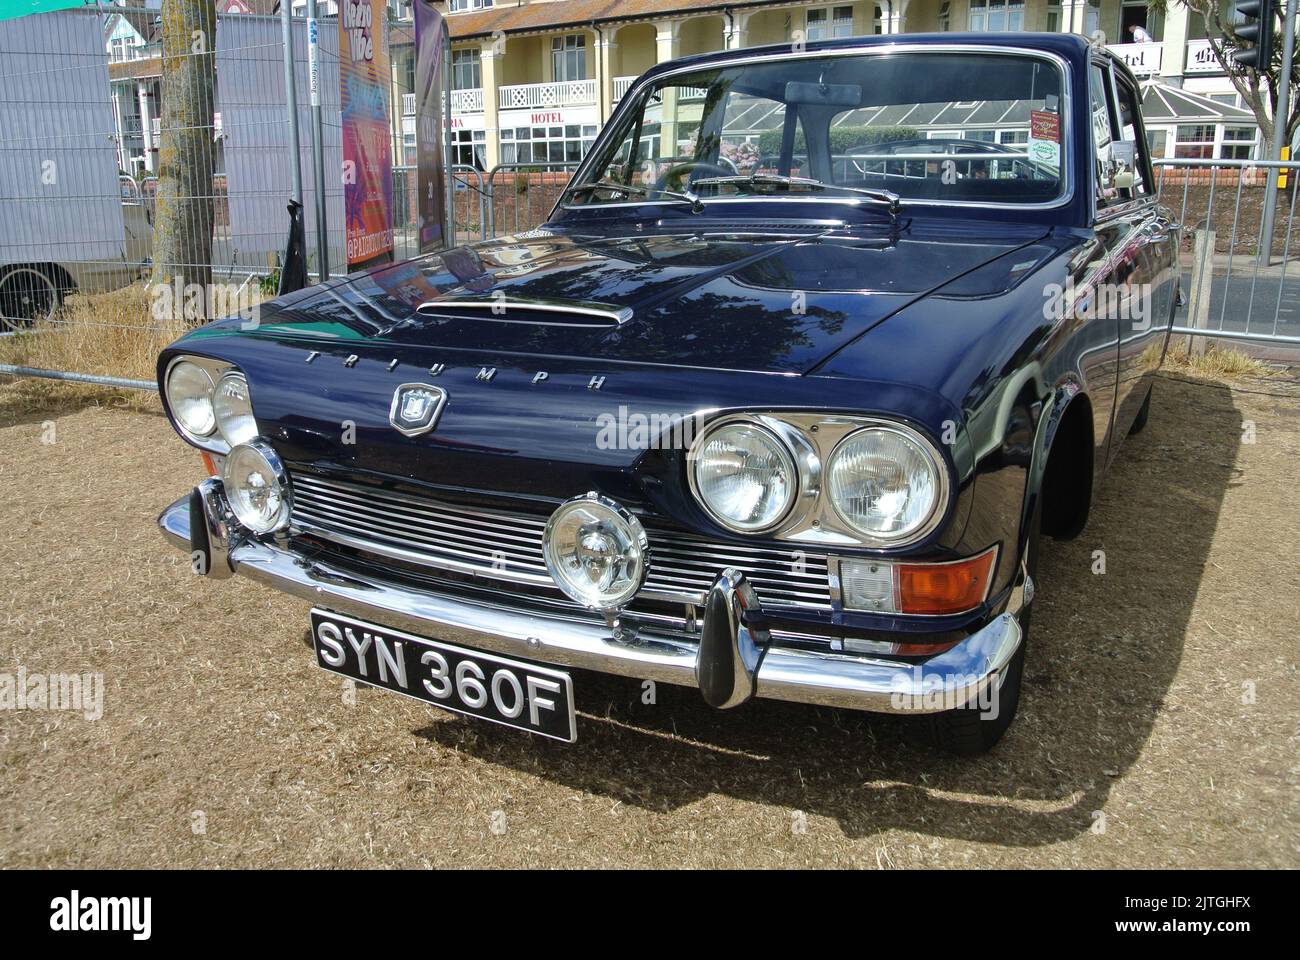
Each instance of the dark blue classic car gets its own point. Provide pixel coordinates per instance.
(778, 402)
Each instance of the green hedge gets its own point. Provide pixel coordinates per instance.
(843, 139)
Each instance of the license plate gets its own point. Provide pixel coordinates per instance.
(484, 685)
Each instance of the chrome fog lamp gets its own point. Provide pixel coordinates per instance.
(887, 483)
(744, 476)
(189, 394)
(257, 486)
(233, 409)
(596, 551)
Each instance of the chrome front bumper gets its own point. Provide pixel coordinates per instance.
(954, 677)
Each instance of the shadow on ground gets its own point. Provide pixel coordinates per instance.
(1103, 653)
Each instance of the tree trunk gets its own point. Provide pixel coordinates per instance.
(182, 234)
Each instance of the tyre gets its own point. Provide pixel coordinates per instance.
(1140, 420)
(972, 730)
(28, 295)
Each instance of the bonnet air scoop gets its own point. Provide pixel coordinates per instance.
(530, 311)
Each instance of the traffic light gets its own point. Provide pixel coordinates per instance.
(1254, 28)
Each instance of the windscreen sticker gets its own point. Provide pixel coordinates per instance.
(1045, 137)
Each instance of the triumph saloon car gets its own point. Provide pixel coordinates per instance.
(815, 346)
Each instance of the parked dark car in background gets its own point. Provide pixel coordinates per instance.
(783, 423)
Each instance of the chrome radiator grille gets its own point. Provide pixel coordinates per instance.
(508, 546)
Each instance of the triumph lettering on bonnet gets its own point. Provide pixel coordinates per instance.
(481, 374)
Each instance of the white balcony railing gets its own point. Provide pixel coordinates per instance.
(623, 84)
(462, 101)
(467, 101)
(564, 93)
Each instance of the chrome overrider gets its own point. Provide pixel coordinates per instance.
(732, 663)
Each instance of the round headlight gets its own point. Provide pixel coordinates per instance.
(257, 487)
(189, 393)
(885, 483)
(232, 409)
(744, 476)
(596, 551)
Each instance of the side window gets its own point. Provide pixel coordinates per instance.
(1103, 136)
(1129, 126)
(1122, 155)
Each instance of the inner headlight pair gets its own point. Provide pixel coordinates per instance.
(203, 408)
(883, 481)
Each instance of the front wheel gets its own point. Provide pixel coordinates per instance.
(974, 729)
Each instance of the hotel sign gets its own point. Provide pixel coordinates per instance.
(1201, 58)
(1143, 59)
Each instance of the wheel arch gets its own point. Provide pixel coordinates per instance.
(1061, 471)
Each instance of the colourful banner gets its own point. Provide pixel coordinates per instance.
(367, 136)
(431, 42)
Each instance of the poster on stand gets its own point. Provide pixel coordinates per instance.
(430, 50)
(364, 79)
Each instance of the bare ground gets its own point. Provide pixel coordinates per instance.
(1158, 727)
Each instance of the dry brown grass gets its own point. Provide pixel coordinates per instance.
(109, 334)
(1216, 363)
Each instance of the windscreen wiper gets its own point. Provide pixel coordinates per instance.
(685, 196)
(776, 179)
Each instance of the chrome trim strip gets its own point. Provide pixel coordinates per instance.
(833, 680)
(613, 316)
(629, 98)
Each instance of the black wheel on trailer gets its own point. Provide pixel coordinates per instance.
(29, 295)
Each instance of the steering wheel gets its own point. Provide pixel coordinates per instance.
(681, 170)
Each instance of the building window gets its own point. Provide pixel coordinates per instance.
(1238, 143)
(1194, 141)
(1206, 141)
(569, 57)
(1139, 24)
(460, 6)
(121, 49)
(826, 23)
(469, 148)
(1053, 18)
(466, 70)
(551, 144)
(945, 17)
(996, 16)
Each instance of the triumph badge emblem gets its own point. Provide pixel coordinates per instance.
(416, 408)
